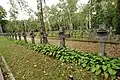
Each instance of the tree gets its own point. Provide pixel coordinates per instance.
(13, 14)
(26, 10)
(40, 16)
(2, 13)
(118, 18)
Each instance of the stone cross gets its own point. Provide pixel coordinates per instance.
(15, 34)
(32, 36)
(12, 35)
(41, 37)
(102, 36)
(24, 36)
(1, 31)
(19, 35)
(62, 36)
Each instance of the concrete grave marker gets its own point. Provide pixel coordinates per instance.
(62, 36)
(32, 36)
(24, 36)
(1, 31)
(19, 35)
(15, 34)
(102, 36)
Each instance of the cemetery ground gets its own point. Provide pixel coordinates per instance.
(27, 64)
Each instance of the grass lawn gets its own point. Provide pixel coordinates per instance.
(29, 65)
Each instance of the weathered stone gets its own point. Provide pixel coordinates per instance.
(19, 35)
(102, 36)
(12, 35)
(24, 36)
(1, 31)
(62, 36)
(15, 34)
(32, 37)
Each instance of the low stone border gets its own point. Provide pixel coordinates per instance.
(1, 75)
(6, 70)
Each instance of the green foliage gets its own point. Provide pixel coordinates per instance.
(2, 13)
(91, 62)
(118, 18)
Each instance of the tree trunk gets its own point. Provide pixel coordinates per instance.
(43, 24)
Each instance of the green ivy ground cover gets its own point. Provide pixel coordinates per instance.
(109, 67)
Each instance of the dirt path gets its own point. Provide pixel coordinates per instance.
(110, 49)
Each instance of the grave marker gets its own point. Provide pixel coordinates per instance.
(62, 36)
(32, 36)
(15, 34)
(19, 35)
(24, 36)
(102, 36)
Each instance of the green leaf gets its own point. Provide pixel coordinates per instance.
(84, 65)
(111, 71)
(113, 77)
(87, 68)
(106, 75)
(98, 72)
(108, 65)
(93, 69)
(97, 66)
(115, 66)
(104, 67)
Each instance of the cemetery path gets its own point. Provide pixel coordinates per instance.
(110, 49)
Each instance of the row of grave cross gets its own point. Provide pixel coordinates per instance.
(61, 34)
(101, 32)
